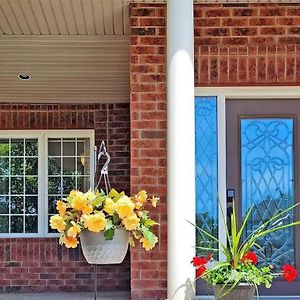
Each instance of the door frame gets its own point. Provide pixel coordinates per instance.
(242, 93)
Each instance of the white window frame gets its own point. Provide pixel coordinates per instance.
(240, 93)
(43, 136)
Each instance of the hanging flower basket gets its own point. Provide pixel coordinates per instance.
(106, 222)
(97, 250)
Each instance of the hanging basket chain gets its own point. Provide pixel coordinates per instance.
(104, 170)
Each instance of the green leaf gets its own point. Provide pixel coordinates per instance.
(245, 222)
(275, 218)
(149, 223)
(98, 201)
(207, 248)
(204, 232)
(113, 193)
(68, 199)
(109, 234)
(116, 219)
(224, 222)
(150, 236)
(109, 224)
(109, 230)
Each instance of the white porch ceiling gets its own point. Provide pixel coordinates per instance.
(64, 68)
(74, 50)
(64, 17)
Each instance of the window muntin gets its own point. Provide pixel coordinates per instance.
(68, 168)
(19, 185)
(24, 172)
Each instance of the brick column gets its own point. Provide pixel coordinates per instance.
(148, 140)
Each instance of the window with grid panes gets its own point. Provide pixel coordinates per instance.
(36, 170)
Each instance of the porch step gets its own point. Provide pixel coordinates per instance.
(66, 296)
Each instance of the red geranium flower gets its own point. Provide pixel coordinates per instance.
(200, 271)
(200, 261)
(250, 256)
(289, 273)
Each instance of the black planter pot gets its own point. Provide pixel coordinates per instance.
(239, 292)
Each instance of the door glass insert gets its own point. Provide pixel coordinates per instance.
(206, 170)
(267, 174)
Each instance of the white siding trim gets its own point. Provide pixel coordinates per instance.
(221, 109)
(263, 92)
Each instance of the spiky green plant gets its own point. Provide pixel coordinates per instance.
(232, 272)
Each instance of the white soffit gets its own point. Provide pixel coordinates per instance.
(64, 17)
(74, 50)
(64, 68)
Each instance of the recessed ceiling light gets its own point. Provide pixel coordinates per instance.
(24, 76)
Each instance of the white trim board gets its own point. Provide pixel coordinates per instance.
(246, 92)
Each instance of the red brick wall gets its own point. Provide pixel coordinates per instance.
(148, 140)
(41, 265)
(245, 44)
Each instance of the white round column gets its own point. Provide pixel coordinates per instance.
(181, 148)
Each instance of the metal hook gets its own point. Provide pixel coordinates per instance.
(104, 170)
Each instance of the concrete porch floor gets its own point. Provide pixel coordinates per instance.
(101, 296)
(66, 296)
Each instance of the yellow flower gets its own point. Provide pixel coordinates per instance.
(88, 209)
(74, 230)
(73, 193)
(57, 222)
(154, 201)
(70, 242)
(79, 201)
(61, 207)
(142, 196)
(136, 234)
(140, 199)
(109, 206)
(124, 207)
(147, 245)
(138, 205)
(131, 222)
(90, 195)
(96, 222)
(140, 213)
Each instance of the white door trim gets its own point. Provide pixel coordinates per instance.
(248, 92)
